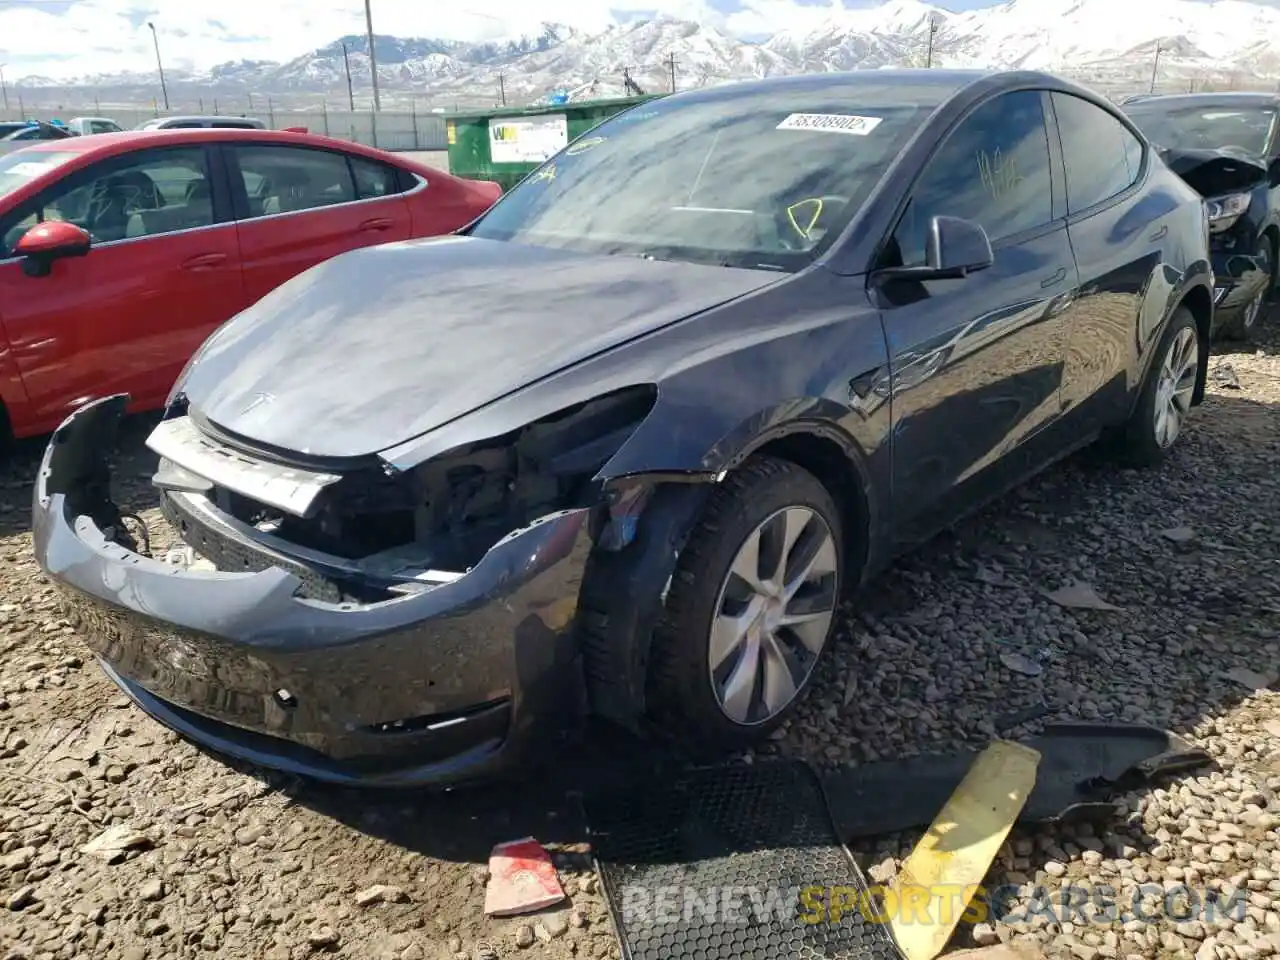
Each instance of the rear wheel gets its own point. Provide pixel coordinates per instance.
(751, 608)
(1243, 325)
(1165, 401)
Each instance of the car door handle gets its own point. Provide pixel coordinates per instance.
(205, 261)
(1056, 278)
(1159, 234)
(378, 224)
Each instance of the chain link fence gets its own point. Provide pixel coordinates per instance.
(385, 129)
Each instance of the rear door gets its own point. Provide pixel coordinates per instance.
(977, 362)
(1118, 232)
(300, 205)
(162, 273)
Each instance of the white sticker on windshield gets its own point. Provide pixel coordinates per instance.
(831, 123)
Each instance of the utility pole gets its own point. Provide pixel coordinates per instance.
(4, 89)
(346, 62)
(373, 59)
(933, 32)
(502, 88)
(671, 65)
(159, 65)
(1155, 65)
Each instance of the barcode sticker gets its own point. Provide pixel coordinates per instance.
(831, 123)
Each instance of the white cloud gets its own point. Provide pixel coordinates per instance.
(97, 36)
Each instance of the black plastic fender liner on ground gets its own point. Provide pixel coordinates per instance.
(1081, 766)
(710, 864)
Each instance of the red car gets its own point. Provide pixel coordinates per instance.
(120, 253)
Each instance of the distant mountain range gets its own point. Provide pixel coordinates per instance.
(1107, 42)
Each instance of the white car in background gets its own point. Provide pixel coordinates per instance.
(85, 126)
(195, 123)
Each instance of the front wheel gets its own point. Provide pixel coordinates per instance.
(1165, 401)
(1244, 323)
(751, 608)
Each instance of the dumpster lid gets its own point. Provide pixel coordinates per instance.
(545, 109)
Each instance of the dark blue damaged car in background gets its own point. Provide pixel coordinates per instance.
(618, 447)
(1227, 146)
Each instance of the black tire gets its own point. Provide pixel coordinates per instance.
(680, 695)
(1246, 323)
(1141, 446)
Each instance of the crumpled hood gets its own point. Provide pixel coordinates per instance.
(1211, 173)
(380, 345)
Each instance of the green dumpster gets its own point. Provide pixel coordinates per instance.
(506, 144)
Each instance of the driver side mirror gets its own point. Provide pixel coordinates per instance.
(954, 249)
(46, 242)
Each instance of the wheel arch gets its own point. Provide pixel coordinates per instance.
(623, 592)
(817, 450)
(1198, 301)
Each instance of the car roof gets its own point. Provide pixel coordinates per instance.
(101, 145)
(932, 85)
(944, 81)
(108, 144)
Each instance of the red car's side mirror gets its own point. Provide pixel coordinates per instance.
(46, 242)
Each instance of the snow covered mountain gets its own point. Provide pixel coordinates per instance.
(1102, 41)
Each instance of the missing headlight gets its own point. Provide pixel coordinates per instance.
(450, 510)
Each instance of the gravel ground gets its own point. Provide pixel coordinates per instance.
(239, 864)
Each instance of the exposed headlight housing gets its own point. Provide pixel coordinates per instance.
(1223, 212)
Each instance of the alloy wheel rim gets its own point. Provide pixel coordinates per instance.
(1254, 309)
(1176, 385)
(772, 615)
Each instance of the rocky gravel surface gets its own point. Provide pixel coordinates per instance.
(117, 839)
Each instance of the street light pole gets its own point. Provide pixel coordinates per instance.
(159, 65)
(373, 59)
(346, 62)
(4, 89)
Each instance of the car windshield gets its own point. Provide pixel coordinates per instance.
(19, 169)
(757, 179)
(1204, 126)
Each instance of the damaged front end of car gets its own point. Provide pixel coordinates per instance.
(363, 623)
(1229, 182)
(368, 530)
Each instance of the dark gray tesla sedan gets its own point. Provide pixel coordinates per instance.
(617, 447)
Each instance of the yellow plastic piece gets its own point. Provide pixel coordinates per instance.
(945, 870)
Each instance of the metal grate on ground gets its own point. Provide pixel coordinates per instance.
(710, 864)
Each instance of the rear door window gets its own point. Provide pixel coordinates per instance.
(292, 179)
(1102, 156)
(373, 179)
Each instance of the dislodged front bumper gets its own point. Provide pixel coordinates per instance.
(462, 681)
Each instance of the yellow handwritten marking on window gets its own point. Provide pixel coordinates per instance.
(793, 212)
(546, 173)
(584, 145)
(999, 174)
